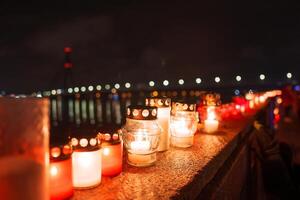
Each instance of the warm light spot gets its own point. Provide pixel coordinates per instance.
(238, 78)
(217, 79)
(76, 89)
(55, 152)
(59, 91)
(70, 90)
(90, 88)
(289, 75)
(151, 83)
(83, 89)
(127, 85)
(262, 99)
(93, 142)
(117, 86)
(98, 87)
(181, 81)
(198, 80)
(53, 171)
(105, 151)
(114, 90)
(74, 142)
(276, 111)
(155, 93)
(262, 77)
(53, 92)
(279, 100)
(107, 86)
(85, 159)
(83, 142)
(237, 107)
(166, 82)
(251, 104)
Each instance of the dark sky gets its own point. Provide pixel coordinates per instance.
(138, 41)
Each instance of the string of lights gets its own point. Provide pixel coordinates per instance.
(151, 84)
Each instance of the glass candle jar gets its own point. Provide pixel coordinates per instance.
(60, 171)
(211, 124)
(86, 162)
(163, 118)
(208, 99)
(112, 153)
(24, 148)
(141, 135)
(183, 124)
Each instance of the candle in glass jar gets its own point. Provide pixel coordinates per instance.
(112, 154)
(163, 119)
(86, 162)
(140, 152)
(140, 146)
(60, 171)
(211, 124)
(61, 186)
(183, 124)
(141, 135)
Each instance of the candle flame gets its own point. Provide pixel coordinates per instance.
(53, 171)
(211, 115)
(106, 151)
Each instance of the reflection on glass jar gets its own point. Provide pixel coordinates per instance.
(141, 135)
(183, 124)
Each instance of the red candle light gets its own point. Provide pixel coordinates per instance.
(61, 186)
(112, 154)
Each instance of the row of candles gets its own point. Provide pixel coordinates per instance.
(149, 129)
(83, 159)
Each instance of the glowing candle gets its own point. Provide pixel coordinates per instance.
(163, 119)
(183, 124)
(61, 186)
(140, 152)
(24, 150)
(112, 154)
(141, 135)
(211, 124)
(86, 162)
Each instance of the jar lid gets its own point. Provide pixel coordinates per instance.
(180, 106)
(139, 112)
(109, 138)
(60, 152)
(160, 102)
(85, 143)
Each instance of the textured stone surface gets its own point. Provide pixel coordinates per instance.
(178, 173)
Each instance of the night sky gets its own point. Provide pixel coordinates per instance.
(138, 41)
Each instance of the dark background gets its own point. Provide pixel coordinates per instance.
(138, 41)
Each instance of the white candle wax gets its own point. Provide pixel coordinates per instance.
(140, 147)
(22, 178)
(86, 168)
(163, 119)
(211, 125)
